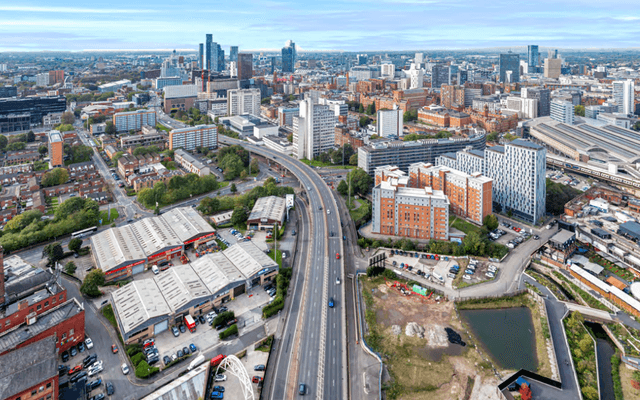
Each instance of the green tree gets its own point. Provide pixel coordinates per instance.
(117, 156)
(68, 118)
(239, 216)
(492, 137)
(56, 176)
(360, 181)
(371, 108)
(243, 174)
(290, 138)
(590, 393)
(70, 268)
(92, 282)
(490, 222)
(255, 166)
(364, 121)
(233, 188)
(31, 137)
(110, 129)
(232, 166)
(3, 142)
(75, 244)
(410, 115)
(53, 252)
(353, 160)
(343, 188)
(43, 150)
(361, 109)
(16, 146)
(579, 110)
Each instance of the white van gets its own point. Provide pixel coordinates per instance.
(155, 269)
(438, 278)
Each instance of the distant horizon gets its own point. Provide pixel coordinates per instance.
(323, 25)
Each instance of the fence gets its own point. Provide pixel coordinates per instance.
(500, 296)
(362, 336)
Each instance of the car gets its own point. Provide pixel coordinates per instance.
(65, 356)
(328, 212)
(75, 369)
(331, 302)
(89, 360)
(95, 370)
(490, 275)
(337, 280)
(344, 237)
(166, 360)
(202, 320)
(220, 378)
(175, 331)
(124, 368)
(302, 389)
(148, 342)
(217, 395)
(94, 384)
(331, 233)
(153, 360)
(114, 348)
(76, 378)
(218, 388)
(89, 343)
(180, 354)
(193, 348)
(62, 369)
(337, 256)
(73, 351)
(173, 357)
(320, 208)
(110, 389)
(98, 397)
(223, 309)
(536, 237)
(469, 271)
(185, 351)
(268, 287)
(150, 349)
(467, 277)
(259, 367)
(256, 379)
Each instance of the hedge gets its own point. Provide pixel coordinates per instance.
(223, 318)
(232, 330)
(143, 370)
(133, 349)
(136, 358)
(282, 284)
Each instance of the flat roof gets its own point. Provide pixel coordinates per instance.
(179, 285)
(187, 223)
(138, 302)
(27, 366)
(20, 276)
(45, 321)
(55, 136)
(155, 234)
(270, 208)
(248, 258)
(562, 236)
(216, 271)
(631, 227)
(190, 386)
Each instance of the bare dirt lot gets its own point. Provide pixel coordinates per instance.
(424, 365)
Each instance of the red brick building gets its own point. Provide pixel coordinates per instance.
(443, 117)
(343, 135)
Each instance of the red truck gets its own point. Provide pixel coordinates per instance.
(190, 323)
(215, 361)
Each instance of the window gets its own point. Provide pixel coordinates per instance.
(33, 392)
(64, 336)
(48, 385)
(39, 307)
(71, 332)
(61, 297)
(7, 323)
(46, 304)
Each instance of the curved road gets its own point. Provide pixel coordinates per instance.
(321, 359)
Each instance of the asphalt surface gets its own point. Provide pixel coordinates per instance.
(322, 357)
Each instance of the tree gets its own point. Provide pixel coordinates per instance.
(371, 108)
(56, 176)
(492, 137)
(43, 150)
(590, 393)
(290, 137)
(70, 268)
(16, 146)
(243, 174)
(410, 115)
(31, 137)
(110, 129)
(233, 188)
(75, 244)
(579, 110)
(490, 222)
(343, 188)
(254, 167)
(54, 252)
(353, 160)
(239, 216)
(3, 142)
(68, 118)
(364, 121)
(92, 282)
(361, 109)
(360, 181)
(117, 156)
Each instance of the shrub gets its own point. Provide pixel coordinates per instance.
(223, 318)
(232, 330)
(143, 370)
(133, 349)
(136, 358)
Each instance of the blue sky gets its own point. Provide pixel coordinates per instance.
(319, 24)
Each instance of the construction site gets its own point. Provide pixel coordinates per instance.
(426, 353)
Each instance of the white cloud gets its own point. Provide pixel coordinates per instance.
(77, 10)
(628, 18)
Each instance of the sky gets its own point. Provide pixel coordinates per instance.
(353, 25)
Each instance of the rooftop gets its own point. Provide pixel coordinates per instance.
(55, 136)
(25, 367)
(562, 236)
(269, 208)
(248, 258)
(187, 223)
(138, 302)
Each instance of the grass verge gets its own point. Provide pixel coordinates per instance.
(584, 356)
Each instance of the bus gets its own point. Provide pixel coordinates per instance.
(84, 232)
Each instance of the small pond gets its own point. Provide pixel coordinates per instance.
(506, 334)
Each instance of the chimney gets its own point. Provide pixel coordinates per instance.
(31, 319)
(1, 275)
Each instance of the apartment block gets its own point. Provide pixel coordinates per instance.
(313, 130)
(470, 195)
(157, 139)
(243, 101)
(193, 137)
(56, 149)
(389, 123)
(410, 212)
(134, 120)
(442, 117)
(518, 172)
(190, 163)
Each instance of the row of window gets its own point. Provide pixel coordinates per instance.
(39, 307)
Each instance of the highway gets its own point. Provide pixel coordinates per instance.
(319, 355)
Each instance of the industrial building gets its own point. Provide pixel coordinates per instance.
(267, 212)
(125, 251)
(145, 308)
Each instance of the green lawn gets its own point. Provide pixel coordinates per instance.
(277, 257)
(463, 225)
(105, 220)
(362, 211)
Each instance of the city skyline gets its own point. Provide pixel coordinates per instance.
(323, 25)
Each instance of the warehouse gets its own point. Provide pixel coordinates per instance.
(267, 212)
(125, 251)
(147, 307)
(630, 230)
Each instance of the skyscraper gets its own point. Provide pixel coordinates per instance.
(208, 43)
(510, 62)
(245, 65)
(220, 66)
(289, 57)
(439, 76)
(313, 130)
(552, 67)
(623, 92)
(533, 57)
(233, 53)
(417, 76)
(542, 95)
(200, 55)
(562, 111)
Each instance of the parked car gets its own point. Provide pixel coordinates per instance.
(89, 343)
(180, 353)
(218, 388)
(148, 342)
(220, 378)
(153, 360)
(259, 367)
(114, 348)
(65, 356)
(217, 395)
(73, 351)
(185, 351)
(94, 384)
(193, 348)
(76, 378)
(124, 368)
(256, 379)
(166, 360)
(467, 277)
(201, 319)
(75, 369)
(183, 329)
(89, 360)
(110, 389)
(62, 369)
(98, 397)
(95, 370)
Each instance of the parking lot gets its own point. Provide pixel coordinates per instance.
(232, 388)
(575, 181)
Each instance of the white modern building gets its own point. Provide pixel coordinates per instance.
(134, 120)
(42, 80)
(243, 101)
(313, 130)
(389, 122)
(339, 107)
(518, 172)
(416, 74)
(526, 108)
(562, 111)
(623, 94)
(387, 70)
(192, 137)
